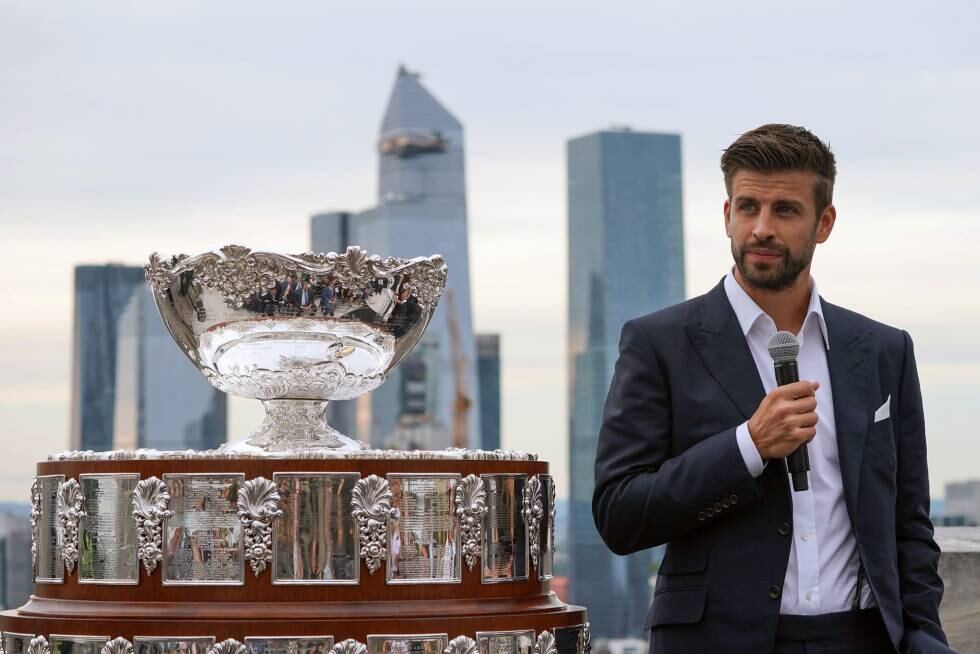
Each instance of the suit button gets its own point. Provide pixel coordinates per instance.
(775, 592)
(709, 512)
(784, 529)
(734, 499)
(725, 503)
(717, 507)
(701, 515)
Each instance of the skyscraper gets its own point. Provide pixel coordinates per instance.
(431, 400)
(488, 367)
(132, 386)
(625, 259)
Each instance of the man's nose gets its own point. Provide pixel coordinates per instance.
(763, 229)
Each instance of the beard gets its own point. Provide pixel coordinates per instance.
(777, 275)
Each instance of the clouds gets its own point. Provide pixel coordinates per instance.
(127, 128)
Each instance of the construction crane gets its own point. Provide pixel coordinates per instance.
(461, 401)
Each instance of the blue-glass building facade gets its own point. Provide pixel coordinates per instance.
(132, 386)
(625, 259)
(488, 368)
(431, 400)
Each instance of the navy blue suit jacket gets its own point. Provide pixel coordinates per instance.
(668, 470)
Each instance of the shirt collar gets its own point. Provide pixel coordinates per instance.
(748, 312)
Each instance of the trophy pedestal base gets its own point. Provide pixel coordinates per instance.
(298, 425)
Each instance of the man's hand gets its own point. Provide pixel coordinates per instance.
(785, 419)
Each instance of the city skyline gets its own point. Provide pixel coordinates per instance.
(129, 130)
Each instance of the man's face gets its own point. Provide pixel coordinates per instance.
(774, 228)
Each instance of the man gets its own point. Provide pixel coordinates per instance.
(695, 431)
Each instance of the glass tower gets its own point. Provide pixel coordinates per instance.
(431, 400)
(132, 386)
(625, 259)
(488, 363)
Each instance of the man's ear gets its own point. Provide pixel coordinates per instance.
(825, 224)
(728, 217)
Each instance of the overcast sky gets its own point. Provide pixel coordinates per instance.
(127, 128)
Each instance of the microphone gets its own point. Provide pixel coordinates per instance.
(784, 348)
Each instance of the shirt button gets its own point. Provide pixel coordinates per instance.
(784, 529)
(775, 592)
(809, 596)
(701, 515)
(805, 535)
(734, 499)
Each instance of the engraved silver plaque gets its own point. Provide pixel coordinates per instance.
(315, 540)
(290, 645)
(408, 644)
(50, 564)
(547, 529)
(567, 639)
(14, 643)
(505, 551)
(173, 645)
(505, 642)
(107, 535)
(77, 644)
(202, 541)
(423, 537)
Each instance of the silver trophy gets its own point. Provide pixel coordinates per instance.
(296, 331)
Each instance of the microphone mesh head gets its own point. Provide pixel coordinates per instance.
(783, 347)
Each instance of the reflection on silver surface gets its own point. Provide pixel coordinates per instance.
(408, 644)
(423, 538)
(173, 645)
(203, 540)
(50, 567)
(546, 546)
(505, 642)
(107, 536)
(567, 639)
(461, 645)
(15, 643)
(290, 645)
(449, 454)
(296, 331)
(505, 551)
(315, 540)
(258, 508)
(71, 510)
(35, 530)
(77, 644)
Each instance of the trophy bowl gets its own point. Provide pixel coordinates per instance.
(296, 331)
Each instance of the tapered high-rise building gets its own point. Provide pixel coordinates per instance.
(132, 387)
(625, 259)
(431, 400)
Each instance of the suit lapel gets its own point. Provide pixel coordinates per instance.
(719, 341)
(850, 362)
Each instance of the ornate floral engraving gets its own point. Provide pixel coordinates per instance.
(585, 639)
(150, 502)
(471, 506)
(229, 646)
(461, 645)
(35, 524)
(117, 646)
(327, 379)
(546, 643)
(372, 508)
(237, 272)
(451, 454)
(349, 646)
(70, 513)
(533, 512)
(39, 645)
(258, 507)
(553, 504)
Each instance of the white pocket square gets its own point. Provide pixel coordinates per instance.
(883, 411)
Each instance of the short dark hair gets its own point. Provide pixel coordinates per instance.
(776, 148)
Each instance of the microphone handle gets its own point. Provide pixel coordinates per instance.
(799, 461)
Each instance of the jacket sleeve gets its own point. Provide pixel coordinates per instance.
(646, 493)
(920, 585)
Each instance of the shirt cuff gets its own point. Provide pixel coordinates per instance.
(750, 454)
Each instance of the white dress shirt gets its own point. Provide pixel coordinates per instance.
(821, 576)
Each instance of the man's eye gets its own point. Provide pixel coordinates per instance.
(787, 209)
(746, 206)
